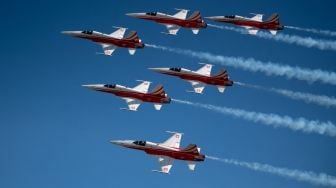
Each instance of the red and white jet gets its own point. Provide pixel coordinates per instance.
(174, 22)
(252, 24)
(199, 78)
(112, 41)
(134, 96)
(167, 151)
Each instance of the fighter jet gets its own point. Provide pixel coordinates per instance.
(134, 96)
(167, 151)
(252, 24)
(112, 41)
(174, 22)
(199, 78)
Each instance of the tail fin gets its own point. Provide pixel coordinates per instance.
(274, 18)
(133, 35)
(195, 15)
(192, 148)
(222, 74)
(158, 90)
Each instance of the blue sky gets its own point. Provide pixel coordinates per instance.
(55, 133)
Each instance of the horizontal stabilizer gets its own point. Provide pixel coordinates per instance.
(157, 106)
(191, 165)
(221, 89)
(195, 31)
(273, 32)
(131, 51)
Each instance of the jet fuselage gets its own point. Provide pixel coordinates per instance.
(186, 74)
(126, 92)
(247, 22)
(170, 20)
(189, 154)
(129, 42)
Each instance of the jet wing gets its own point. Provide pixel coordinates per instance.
(165, 163)
(133, 104)
(119, 34)
(172, 29)
(198, 86)
(143, 87)
(251, 30)
(108, 49)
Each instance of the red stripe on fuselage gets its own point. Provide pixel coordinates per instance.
(146, 97)
(220, 81)
(173, 21)
(251, 23)
(180, 155)
(125, 43)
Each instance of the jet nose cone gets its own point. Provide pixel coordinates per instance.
(154, 69)
(117, 142)
(160, 70)
(72, 33)
(92, 86)
(87, 85)
(134, 14)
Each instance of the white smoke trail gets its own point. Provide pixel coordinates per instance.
(320, 179)
(298, 124)
(308, 97)
(290, 39)
(250, 64)
(312, 30)
(321, 100)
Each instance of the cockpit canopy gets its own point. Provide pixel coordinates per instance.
(175, 69)
(110, 85)
(231, 16)
(151, 13)
(140, 143)
(89, 32)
